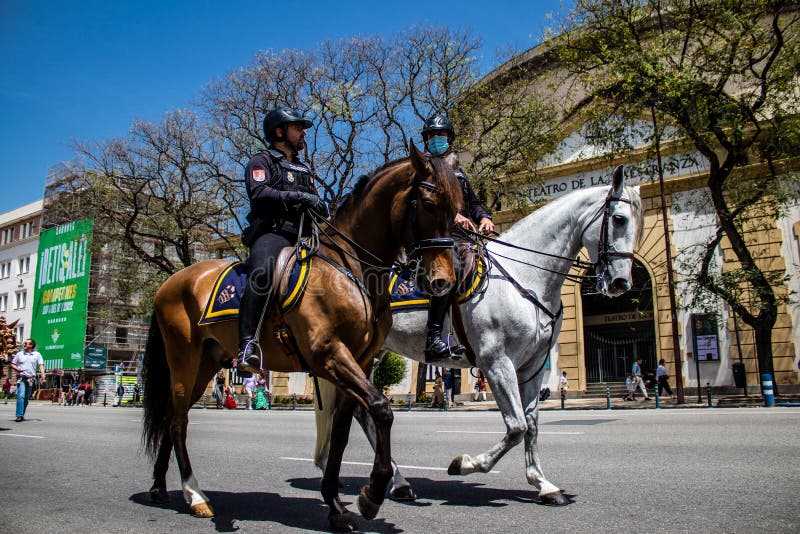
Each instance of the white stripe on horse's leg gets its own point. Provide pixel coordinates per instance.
(192, 493)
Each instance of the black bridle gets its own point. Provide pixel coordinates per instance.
(605, 250)
(417, 245)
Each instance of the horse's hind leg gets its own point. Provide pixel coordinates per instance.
(548, 492)
(187, 385)
(340, 519)
(158, 492)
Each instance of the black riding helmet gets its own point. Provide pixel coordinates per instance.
(279, 116)
(438, 123)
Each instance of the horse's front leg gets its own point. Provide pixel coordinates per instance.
(503, 380)
(351, 379)
(549, 493)
(401, 489)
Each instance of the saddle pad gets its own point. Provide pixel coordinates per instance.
(405, 295)
(223, 303)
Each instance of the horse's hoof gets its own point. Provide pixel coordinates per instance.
(202, 510)
(366, 506)
(403, 493)
(345, 522)
(554, 499)
(455, 466)
(159, 495)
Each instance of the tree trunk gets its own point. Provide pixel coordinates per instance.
(763, 334)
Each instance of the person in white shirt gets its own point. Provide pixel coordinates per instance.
(25, 364)
(563, 384)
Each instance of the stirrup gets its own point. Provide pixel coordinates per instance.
(244, 366)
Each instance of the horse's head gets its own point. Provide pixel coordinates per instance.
(612, 234)
(433, 201)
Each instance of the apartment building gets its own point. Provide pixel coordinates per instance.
(19, 239)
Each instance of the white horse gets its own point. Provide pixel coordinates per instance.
(513, 325)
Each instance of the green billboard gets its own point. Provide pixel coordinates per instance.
(61, 294)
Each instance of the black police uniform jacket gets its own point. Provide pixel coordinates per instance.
(272, 183)
(472, 207)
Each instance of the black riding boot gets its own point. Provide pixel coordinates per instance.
(250, 310)
(435, 347)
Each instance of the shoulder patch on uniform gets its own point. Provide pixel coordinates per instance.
(259, 175)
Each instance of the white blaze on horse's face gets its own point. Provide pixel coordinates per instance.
(614, 235)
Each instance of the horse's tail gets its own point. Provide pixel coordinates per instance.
(155, 375)
(324, 419)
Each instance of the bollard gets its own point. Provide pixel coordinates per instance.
(409, 401)
(294, 401)
(269, 401)
(708, 393)
(563, 398)
(204, 401)
(608, 397)
(104, 399)
(658, 397)
(766, 387)
(444, 404)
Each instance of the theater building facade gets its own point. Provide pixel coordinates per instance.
(601, 337)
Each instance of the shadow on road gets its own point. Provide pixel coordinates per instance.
(450, 492)
(302, 513)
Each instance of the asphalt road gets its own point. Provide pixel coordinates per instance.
(693, 470)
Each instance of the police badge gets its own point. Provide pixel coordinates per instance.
(290, 177)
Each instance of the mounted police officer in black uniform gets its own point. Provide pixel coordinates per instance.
(281, 188)
(438, 134)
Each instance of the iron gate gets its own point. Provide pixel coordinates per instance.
(610, 352)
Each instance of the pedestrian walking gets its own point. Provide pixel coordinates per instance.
(563, 384)
(25, 363)
(120, 393)
(662, 376)
(636, 369)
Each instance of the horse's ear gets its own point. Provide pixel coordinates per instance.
(12, 325)
(618, 182)
(418, 160)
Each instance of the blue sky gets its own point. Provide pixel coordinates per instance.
(86, 69)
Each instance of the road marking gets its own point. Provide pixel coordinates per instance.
(503, 433)
(21, 435)
(417, 467)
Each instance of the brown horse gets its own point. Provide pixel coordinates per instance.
(339, 324)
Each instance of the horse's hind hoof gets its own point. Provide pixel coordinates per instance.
(403, 493)
(554, 499)
(202, 510)
(367, 507)
(159, 495)
(345, 522)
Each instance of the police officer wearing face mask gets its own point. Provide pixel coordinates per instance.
(438, 134)
(281, 188)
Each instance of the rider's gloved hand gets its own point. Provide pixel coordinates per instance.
(311, 201)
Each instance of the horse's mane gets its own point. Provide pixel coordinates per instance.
(447, 182)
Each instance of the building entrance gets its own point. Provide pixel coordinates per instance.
(618, 331)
